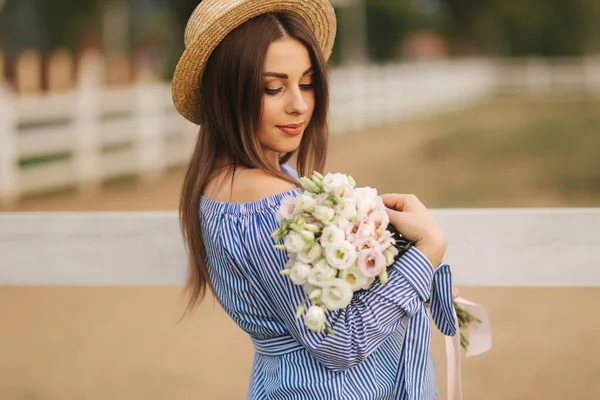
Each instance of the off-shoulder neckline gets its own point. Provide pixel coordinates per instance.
(224, 207)
(208, 204)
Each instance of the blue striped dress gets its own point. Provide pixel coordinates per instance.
(380, 348)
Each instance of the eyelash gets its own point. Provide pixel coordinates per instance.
(276, 91)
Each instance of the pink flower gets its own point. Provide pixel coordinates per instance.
(351, 230)
(386, 239)
(286, 208)
(365, 230)
(379, 219)
(361, 244)
(367, 201)
(371, 262)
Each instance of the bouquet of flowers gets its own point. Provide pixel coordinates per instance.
(339, 240)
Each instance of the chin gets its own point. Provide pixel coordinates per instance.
(289, 145)
(287, 149)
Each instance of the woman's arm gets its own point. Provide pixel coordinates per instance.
(363, 325)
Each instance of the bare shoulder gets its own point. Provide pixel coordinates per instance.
(247, 186)
(252, 185)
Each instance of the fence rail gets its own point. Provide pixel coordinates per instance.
(486, 247)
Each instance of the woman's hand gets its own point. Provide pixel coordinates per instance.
(455, 292)
(414, 221)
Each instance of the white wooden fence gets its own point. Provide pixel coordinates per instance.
(91, 134)
(486, 247)
(545, 77)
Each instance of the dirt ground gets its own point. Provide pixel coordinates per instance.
(125, 343)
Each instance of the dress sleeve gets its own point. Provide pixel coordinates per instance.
(371, 317)
(441, 300)
(286, 168)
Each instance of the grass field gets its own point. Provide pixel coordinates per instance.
(518, 153)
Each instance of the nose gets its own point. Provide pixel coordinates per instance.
(296, 104)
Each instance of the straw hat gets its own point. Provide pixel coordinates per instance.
(212, 20)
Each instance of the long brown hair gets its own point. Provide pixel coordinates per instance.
(232, 91)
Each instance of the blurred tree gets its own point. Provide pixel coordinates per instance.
(388, 22)
(547, 28)
(46, 25)
(65, 22)
(464, 21)
(182, 10)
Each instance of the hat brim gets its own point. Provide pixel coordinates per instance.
(220, 21)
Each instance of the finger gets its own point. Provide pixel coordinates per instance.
(396, 201)
(455, 292)
(397, 218)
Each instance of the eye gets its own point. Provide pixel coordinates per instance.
(308, 86)
(273, 91)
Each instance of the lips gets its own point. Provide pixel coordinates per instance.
(291, 129)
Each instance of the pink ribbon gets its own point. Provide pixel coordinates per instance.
(480, 341)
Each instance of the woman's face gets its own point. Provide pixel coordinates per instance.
(288, 98)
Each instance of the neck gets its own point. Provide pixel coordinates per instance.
(272, 158)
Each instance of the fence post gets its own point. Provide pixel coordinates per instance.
(150, 124)
(9, 168)
(87, 120)
(29, 72)
(591, 71)
(60, 71)
(538, 76)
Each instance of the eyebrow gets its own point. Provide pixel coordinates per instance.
(285, 76)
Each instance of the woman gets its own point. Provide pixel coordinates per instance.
(254, 77)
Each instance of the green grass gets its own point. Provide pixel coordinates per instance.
(519, 149)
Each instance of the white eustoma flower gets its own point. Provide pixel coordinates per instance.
(320, 273)
(341, 222)
(324, 214)
(299, 273)
(347, 208)
(286, 209)
(340, 256)
(336, 183)
(337, 294)
(294, 243)
(353, 277)
(332, 235)
(306, 202)
(315, 319)
(310, 254)
(367, 201)
(366, 194)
